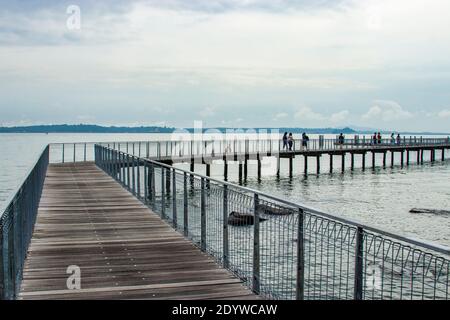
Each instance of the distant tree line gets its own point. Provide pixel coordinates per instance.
(87, 128)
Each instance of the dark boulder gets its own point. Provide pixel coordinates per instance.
(269, 210)
(242, 219)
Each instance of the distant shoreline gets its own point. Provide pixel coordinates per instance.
(84, 128)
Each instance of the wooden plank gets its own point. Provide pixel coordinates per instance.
(124, 250)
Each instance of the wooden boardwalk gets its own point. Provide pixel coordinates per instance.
(124, 250)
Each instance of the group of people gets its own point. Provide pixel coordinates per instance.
(288, 141)
(393, 139)
(377, 139)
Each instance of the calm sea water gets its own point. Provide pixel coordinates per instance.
(380, 198)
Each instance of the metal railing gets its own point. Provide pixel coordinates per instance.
(184, 149)
(280, 249)
(16, 227)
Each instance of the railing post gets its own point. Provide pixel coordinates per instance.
(63, 153)
(163, 195)
(185, 206)
(138, 173)
(300, 292)
(116, 164)
(226, 253)
(174, 198)
(128, 171)
(121, 172)
(153, 183)
(359, 264)
(256, 253)
(133, 175)
(146, 183)
(203, 216)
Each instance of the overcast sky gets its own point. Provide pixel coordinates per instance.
(245, 63)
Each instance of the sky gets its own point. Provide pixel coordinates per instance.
(230, 63)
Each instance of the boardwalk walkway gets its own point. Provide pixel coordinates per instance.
(124, 250)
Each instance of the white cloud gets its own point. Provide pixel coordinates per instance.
(387, 111)
(339, 117)
(280, 116)
(207, 112)
(306, 113)
(444, 114)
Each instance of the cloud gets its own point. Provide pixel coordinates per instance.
(339, 117)
(387, 111)
(207, 112)
(280, 116)
(307, 114)
(221, 6)
(444, 114)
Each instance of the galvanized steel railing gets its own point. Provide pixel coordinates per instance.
(206, 147)
(280, 249)
(16, 227)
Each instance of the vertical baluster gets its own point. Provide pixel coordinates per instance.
(225, 228)
(203, 216)
(174, 198)
(138, 177)
(300, 292)
(359, 264)
(163, 196)
(256, 251)
(145, 182)
(185, 206)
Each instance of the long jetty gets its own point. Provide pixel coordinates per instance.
(100, 221)
(408, 150)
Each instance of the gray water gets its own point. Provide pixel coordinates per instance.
(380, 198)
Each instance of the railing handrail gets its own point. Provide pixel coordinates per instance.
(418, 242)
(241, 139)
(19, 186)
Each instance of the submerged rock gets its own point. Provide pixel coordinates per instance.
(432, 211)
(242, 219)
(265, 209)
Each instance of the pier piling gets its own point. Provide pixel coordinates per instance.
(331, 163)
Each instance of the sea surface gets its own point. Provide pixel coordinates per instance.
(381, 198)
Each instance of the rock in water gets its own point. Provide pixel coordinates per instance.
(432, 211)
(242, 219)
(269, 210)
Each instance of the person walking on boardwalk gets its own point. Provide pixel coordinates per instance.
(398, 139)
(341, 139)
(374, 138)
(290, 141)
(392, 138)
(285, 141)
(305, 140)
(379, 137)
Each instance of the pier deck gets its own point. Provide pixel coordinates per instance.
(123, 249)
